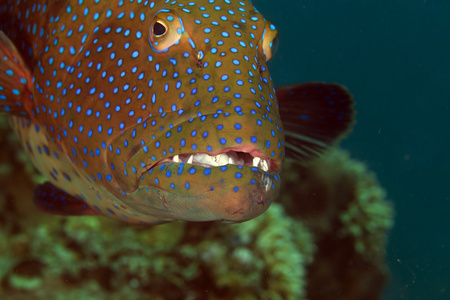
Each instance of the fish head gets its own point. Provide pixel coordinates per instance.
(211, 146)
(175, 111)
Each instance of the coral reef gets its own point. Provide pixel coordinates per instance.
(325, 239)
(344, 207)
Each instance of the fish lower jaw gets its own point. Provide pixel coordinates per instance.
(227, 158)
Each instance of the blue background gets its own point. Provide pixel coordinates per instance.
(394, 56)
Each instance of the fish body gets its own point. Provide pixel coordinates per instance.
(154, 111)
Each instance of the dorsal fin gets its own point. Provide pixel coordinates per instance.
(16, 81)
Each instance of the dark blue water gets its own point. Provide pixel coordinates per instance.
(394, 56)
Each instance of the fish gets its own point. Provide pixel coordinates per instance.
(149, 112)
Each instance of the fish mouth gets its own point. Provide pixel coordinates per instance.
(238, 156)
(230, 185)
(219, 174)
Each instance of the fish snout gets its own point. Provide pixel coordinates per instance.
(221, 166)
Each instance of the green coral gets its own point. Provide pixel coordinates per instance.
(232, 260)
(367, 219)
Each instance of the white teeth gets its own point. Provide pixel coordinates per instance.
(264, 165)
(233, 157)
(267, 182)
(201, 158)
(261, 163)
(223, 159)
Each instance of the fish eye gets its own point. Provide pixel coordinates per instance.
(165, 30)
(270, 41)
(159, 29)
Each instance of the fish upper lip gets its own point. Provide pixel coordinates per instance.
(246, 156)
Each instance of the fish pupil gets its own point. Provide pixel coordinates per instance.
(159, 29)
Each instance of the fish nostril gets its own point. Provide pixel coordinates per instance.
(199, 59)
(200, 64)
(260, 69)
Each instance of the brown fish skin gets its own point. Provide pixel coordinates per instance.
(153, 111)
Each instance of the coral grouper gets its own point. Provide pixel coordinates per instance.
(154, 111)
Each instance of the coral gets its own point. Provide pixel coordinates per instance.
(324, 240)
(168, 261)
(344, 207)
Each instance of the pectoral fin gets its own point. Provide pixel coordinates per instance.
(50, 199)
(315, 115)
